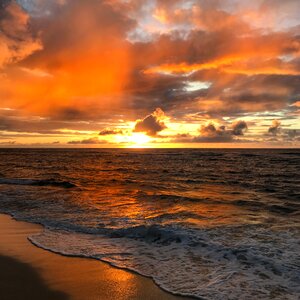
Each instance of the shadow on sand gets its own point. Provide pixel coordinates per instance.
(19, 281)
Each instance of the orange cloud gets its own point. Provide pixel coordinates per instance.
(151, 124)
(16, 40)
(87, 62)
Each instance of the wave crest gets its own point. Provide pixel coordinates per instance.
(37, 182)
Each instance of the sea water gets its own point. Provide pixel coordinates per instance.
(214, 224)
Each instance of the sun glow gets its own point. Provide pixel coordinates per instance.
(139, 139)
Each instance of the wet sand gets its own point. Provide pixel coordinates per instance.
(28, 272)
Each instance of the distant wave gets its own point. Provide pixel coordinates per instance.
(37, 182)
(291, 153)
(276, 208)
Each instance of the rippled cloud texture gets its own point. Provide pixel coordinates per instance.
(181, 73)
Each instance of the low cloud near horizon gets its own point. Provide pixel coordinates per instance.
(151, 124)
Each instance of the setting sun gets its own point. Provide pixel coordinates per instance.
(139, 139)
(133, 140)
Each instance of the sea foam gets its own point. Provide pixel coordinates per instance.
(211, 264)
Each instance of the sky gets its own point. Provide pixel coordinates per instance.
(150, 73)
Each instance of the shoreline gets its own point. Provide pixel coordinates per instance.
(56, 276)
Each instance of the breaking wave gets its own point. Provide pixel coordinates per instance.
(193, 263)
(37, 182)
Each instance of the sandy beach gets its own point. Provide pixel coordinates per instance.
(28, 272)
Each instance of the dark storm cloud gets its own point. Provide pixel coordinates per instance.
(239, 127)
(161, 90)
(151, 124)
(212, 134)
(238, 94)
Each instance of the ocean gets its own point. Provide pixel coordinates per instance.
(208, 223)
